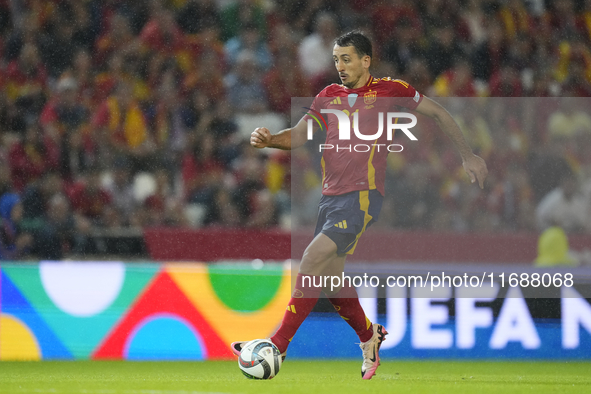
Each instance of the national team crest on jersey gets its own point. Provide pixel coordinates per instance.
(370, 97)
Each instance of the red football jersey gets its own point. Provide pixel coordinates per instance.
(357, 164)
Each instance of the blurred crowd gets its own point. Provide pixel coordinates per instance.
(127, 114)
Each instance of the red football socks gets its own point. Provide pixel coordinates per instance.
(346, 302)
(302, 302)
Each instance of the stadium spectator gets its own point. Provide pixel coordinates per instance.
(283, 38)
(5, 17)
(85, 28)
(118, 37)
(576, 83)
(506, 82)
(248, 39)
(84, 75)
(457, 81)
(522, 54)
(474, 17)
(403, 46)
(196, 14)
(564, 19)
(59, 46)
(198, 111)
(31, 157)
(488, 56)
(122, 128)
(515, 18)
(584, 16)
(476, 130)
(283, 82)
(569, 120)
(162, 208)
(25, 87)
(389, 13)
(223, 123)
(64, 113)
(241, 13)
(28, 31)
(79, 151)
(35, 200)
(5, 183)
(161, 34)
(418, 74)
(542, 84)
(244, 88)
(443, 50)
(13, 243)
(314, 50)
(415, 198)
(207, 77)
(170, 131)
(201, 168)
(564, 207)
(64, 233)
(120, 189)
(255, 207)
(436, 13)
(221, 210)
(89, 199)
(512, 200)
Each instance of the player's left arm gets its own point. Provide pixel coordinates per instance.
(474, 165)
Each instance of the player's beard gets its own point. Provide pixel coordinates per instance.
(350, 84)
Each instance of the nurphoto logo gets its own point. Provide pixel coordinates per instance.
(344, 120)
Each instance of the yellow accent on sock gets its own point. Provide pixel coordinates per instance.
(367, 322)
(345, 318)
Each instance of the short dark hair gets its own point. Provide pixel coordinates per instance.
(356, 39)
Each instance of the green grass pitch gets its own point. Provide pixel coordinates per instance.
(317, 376)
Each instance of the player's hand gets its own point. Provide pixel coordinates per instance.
(476, 169)
(260, 137)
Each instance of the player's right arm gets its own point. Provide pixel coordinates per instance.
(287, 139)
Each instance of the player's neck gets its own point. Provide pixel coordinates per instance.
(362, 81)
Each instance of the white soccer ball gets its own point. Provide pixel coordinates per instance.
(259, 359)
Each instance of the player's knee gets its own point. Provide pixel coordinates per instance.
(317, 255)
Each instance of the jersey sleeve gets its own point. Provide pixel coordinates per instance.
(407, 96)
(313, 112)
